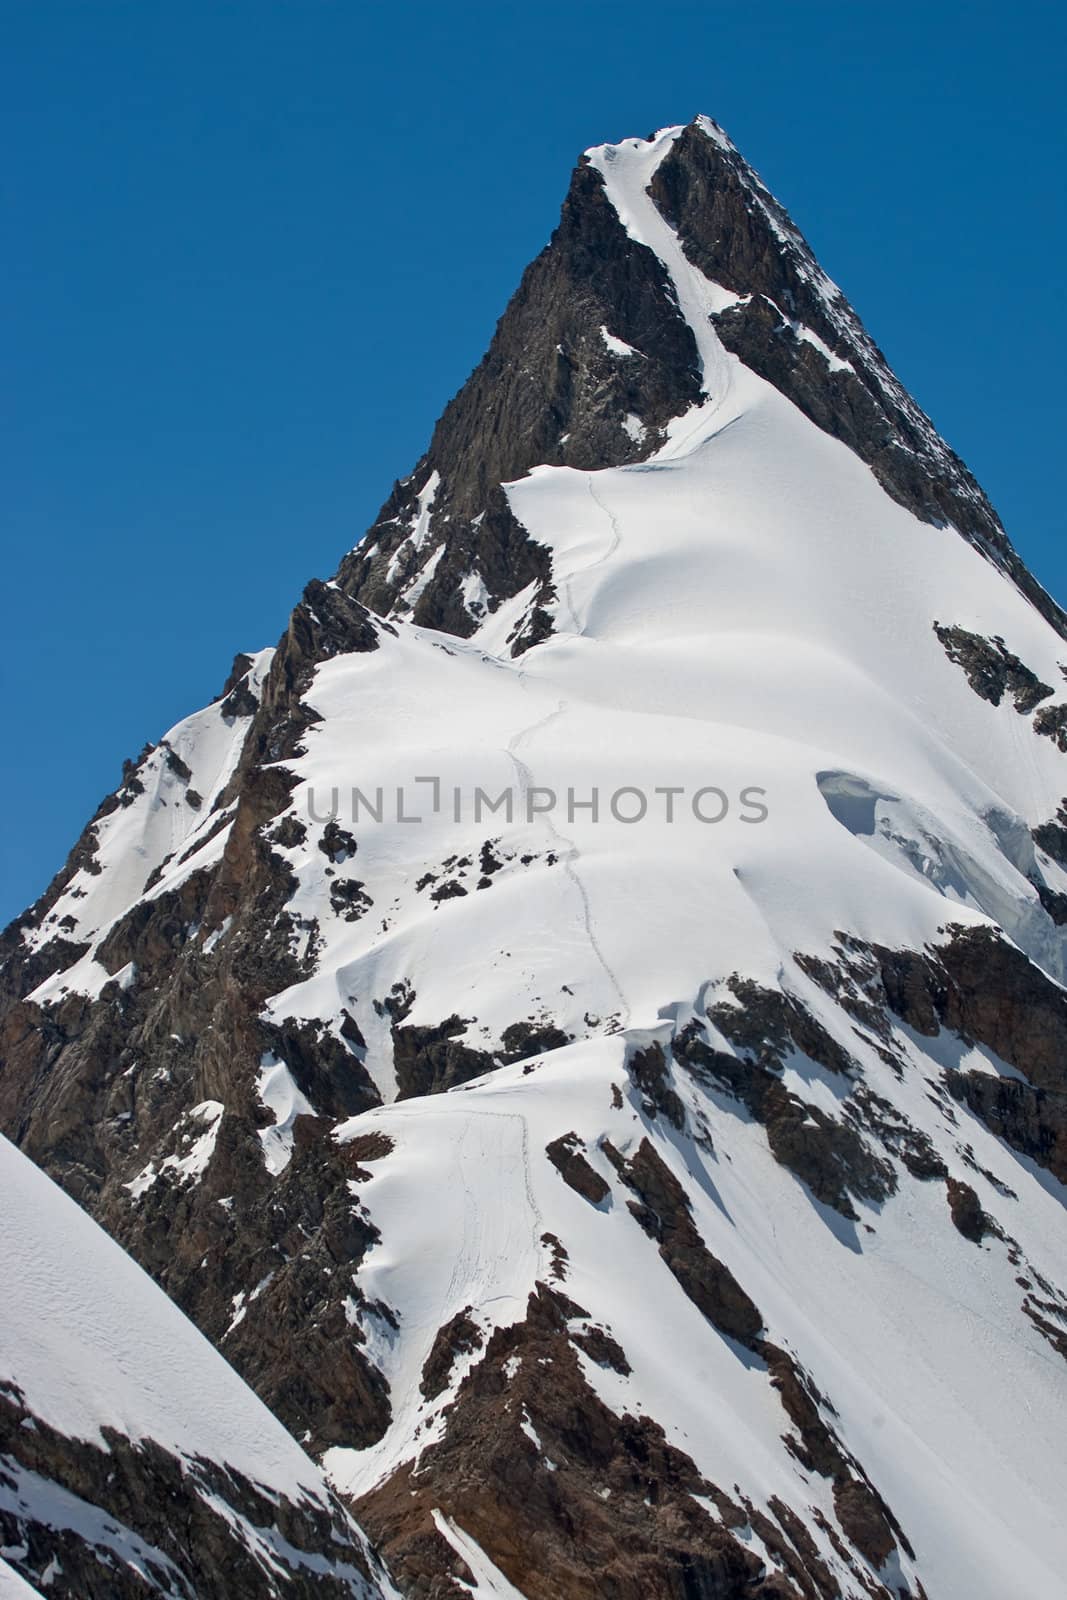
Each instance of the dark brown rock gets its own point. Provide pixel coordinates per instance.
(600, 1347)
(966, 1211)
(566, 1156)
(649, 1070)
(428, 1060)
(459, 1336)
(554, 1534)
(830, 1156)
(991, 668)
(337, 843)
(523, 1039)
(665, 1215)
(1051, 837)
(1052, 722)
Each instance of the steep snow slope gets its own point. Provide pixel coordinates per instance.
(745, 610)
(901, 1322)
(667, 1200)
(128, 1441)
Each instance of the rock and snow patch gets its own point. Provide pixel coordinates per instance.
(277, 1090)
(151, 838)
(618, 347)
(420, 529)
(411, 595)
(197, 1134)
(489, 1581)
(474, 594)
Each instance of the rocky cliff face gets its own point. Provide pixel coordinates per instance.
(642, 1173)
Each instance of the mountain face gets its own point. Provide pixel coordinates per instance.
(580, 1024)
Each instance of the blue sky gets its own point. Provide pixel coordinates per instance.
(250, 250)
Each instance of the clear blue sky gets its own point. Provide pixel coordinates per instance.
(250, 250)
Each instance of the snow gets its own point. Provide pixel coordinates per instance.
(530, 1431)
(216, 934)
(834, 362)
(618, 347)
(627, 171)
(412, 594)
(420, 527)
(437, 1259)
(13, 1587)
(280, 1095)
(717, 135)
(198, 1141)
(427, 496)
(489, 1582)
(474, 593)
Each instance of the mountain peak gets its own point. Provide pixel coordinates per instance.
(671, 259)
(581, 1023)
(702, 123)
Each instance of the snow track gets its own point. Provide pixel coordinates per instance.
(568, 851)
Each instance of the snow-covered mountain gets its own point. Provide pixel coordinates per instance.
(581, 1023)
